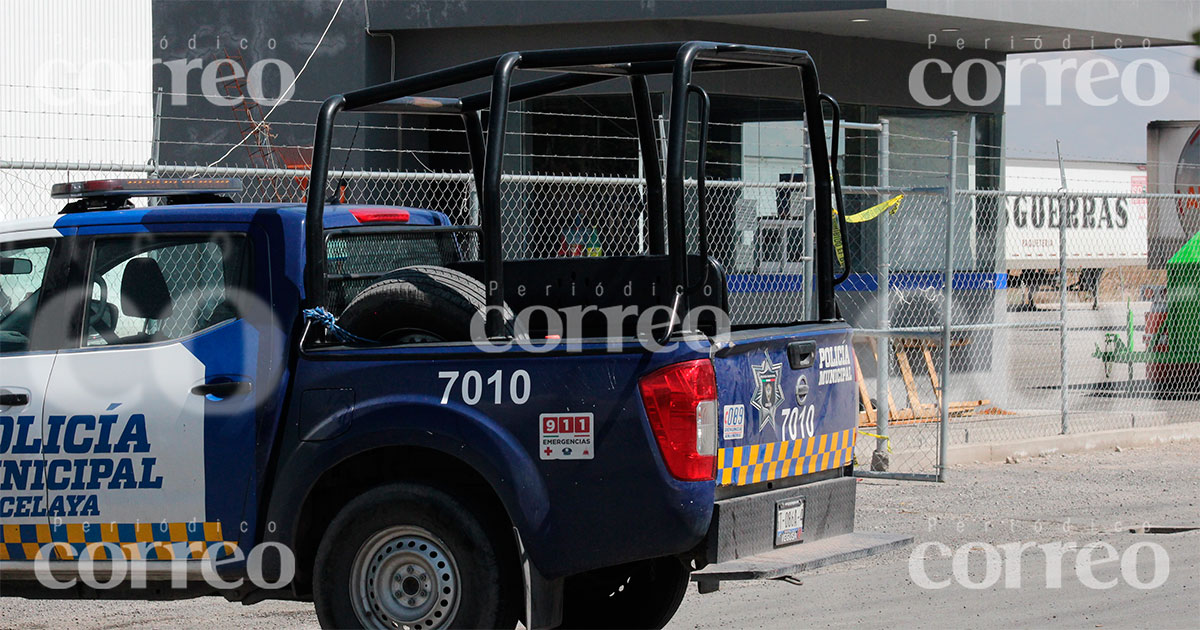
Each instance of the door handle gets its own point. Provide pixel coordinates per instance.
(222, 389)
(9, 399)
(800, 354)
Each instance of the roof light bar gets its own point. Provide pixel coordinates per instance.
(145, 188)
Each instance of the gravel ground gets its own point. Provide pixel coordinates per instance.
(1080, 498)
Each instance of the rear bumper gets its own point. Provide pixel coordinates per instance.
(745, 526)
(794, 559)
(741, 539)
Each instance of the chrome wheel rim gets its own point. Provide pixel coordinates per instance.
(404, 577)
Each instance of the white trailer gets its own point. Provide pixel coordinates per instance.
(1173, 166)
(1105, 229)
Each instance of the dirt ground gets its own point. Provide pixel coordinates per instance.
(1063, 498)
(1060, 499)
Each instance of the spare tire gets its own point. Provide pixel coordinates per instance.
(419, 304)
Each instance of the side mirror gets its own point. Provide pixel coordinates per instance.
(15, 266)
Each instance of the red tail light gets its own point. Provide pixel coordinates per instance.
(681, 403)
(380, 215)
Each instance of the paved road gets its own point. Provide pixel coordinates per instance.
(1083, 498)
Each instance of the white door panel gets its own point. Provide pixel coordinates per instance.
(23, 498)
(125, 436)
(24, 377)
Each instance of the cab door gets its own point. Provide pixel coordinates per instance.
(33, 269)
(150, 420)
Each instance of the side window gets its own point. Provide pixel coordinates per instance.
(156, 288)
(22, 270)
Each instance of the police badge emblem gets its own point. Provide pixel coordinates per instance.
(767, 395)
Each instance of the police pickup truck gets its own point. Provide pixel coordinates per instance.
(348, 404)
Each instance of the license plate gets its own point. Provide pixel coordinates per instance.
(789, 521)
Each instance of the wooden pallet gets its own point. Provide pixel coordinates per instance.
(917, 410)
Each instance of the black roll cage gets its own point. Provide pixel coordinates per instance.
(573, 68)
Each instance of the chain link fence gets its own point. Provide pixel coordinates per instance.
(1068, 342)
(1072, 343)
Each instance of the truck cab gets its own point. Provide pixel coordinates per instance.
(371, 408)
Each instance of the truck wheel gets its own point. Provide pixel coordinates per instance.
(418, 304)
(411, 556)
(643, 594)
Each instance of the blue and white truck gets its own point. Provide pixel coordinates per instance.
(338, 403)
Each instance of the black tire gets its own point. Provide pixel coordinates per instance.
(643, 594)
(400, 529)
(422, 303)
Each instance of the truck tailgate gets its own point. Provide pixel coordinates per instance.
(787, 403)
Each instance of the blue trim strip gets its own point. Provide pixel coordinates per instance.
(790, 282)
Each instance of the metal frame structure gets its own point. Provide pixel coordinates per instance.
(573, 68)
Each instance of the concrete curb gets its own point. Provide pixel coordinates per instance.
(1125, 438)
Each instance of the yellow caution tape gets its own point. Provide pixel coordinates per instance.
(837, 241)
(891, 206)
(885, 438)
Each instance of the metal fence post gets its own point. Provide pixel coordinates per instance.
(947, 295)
(883, 345)
(1062, 290)
(156, 142)
(1062, 308)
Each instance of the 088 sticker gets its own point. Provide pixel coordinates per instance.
(733, 425)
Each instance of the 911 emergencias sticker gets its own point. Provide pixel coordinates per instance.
(567, 436)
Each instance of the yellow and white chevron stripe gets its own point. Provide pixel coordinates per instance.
(137, 541)
(744, 465)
